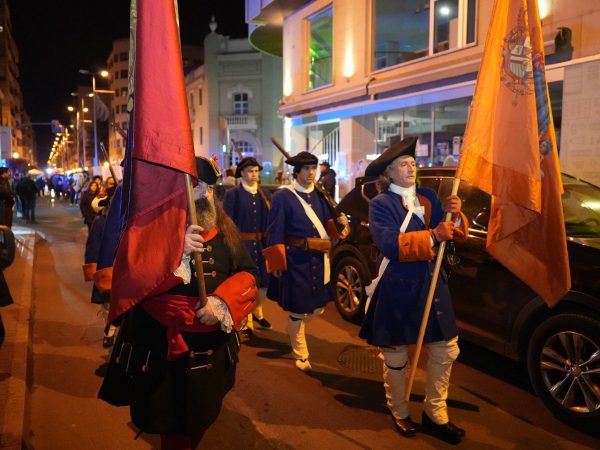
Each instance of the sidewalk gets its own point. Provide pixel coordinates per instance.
(13, 354)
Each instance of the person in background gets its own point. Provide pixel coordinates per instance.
(327, 178)
(85, 204)
(407, 224)
(27, 192)
(7, 200)
(248, 206)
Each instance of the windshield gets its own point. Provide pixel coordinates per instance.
(581, 206)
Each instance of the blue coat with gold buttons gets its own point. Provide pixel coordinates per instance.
(249, 212)
(396, 308)
(300, 289)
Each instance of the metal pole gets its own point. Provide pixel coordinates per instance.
(94, 118)
(77, 134)
(83, 131)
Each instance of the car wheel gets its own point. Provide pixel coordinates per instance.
(563, 359)
(350, 296)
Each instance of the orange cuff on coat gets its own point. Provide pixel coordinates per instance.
(462, 231)
(275, 258)
(239, 292)
(332, 230)
(88, 271)
(415, 246)
(103, 279)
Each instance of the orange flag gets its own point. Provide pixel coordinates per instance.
(510, 152)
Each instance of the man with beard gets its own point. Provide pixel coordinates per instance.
(299, 236)
(248, 205)
(173, 362)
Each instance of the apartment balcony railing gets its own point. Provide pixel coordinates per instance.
(241, 122)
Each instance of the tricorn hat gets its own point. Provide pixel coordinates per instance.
(406, 147)
(303, 159)
(208, 170)
(246, 162)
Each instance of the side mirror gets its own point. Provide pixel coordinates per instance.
(7, 247)
(481, 219)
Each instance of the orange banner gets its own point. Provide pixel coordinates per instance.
(510, 152)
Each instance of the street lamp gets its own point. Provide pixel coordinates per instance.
(103, 74)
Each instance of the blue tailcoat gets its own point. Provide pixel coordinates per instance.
(249, 212)
(300, 289)
(396, 308)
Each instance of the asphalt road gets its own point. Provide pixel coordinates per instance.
(339, 405)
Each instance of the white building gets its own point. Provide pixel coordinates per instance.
(358, 75)
(235, 95)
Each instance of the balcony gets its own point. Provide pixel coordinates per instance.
(241, 122)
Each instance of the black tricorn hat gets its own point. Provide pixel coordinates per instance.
(208, 170)
(406, 147)
(303, 159)
(246, 162)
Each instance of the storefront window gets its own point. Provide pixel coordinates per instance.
(403, 31)
(321, 48)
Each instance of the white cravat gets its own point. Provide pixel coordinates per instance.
(409, 196)
(248, 188)
(302, 189)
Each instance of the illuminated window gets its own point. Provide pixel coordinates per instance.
(320, 71)
(246, 148)
(403, 32)
(240, 103)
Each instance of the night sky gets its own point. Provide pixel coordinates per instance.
(56, 39)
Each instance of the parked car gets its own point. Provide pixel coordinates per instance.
(494, 309)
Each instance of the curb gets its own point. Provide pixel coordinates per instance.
(14, 354)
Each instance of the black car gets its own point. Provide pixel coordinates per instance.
(494, 309)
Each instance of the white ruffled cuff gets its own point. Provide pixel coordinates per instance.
(221, 312)
(183, 271)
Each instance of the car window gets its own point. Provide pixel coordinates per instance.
(581, 207)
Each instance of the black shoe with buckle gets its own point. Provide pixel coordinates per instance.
(447, 432)
(406, 427)
(262, 322)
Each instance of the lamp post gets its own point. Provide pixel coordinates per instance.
(104, 74)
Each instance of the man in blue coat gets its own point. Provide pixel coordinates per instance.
(299, 234)
(406, 224)
(248, 206)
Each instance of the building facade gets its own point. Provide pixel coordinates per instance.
(18, 137)
(235, 95)
(359, 75)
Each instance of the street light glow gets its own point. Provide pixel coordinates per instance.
(445, 11)
(85, 109)
(91, 94)
(103, 73)
(70, 108)
(15, 154)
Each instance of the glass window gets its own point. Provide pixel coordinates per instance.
(124, 74)
(123, 56)
(401, 31)
(116, 75)
(240, 103)
(201, 136)
(445, 27)
(200, 96)
(245, 148)
(321, 48)
(191, 100)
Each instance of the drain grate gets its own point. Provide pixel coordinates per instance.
(360, 359)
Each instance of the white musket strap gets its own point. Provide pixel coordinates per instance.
(370, 289)
(312, 216)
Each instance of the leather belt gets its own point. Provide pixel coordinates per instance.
(309, 244)
(258, 236)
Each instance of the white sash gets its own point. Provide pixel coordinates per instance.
(312, 216)
(370, 289)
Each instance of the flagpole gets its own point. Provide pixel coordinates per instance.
(430, 294)
(197, 256)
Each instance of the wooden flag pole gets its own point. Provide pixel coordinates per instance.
(197, 256)
(430, 294)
